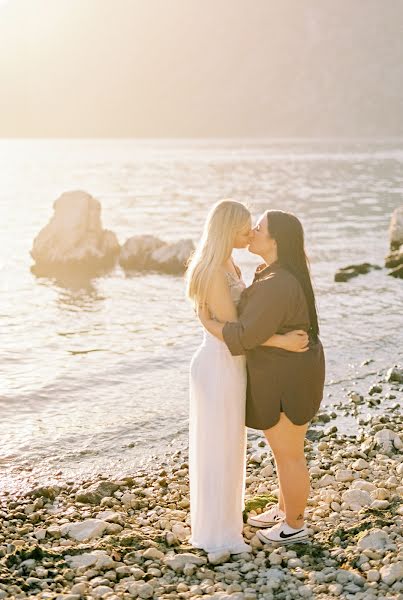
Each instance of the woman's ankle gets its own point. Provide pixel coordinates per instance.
(295, 524)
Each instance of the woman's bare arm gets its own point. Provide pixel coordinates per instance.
(294, 341)
(219, 300)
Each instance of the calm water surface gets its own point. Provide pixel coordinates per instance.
(94, 379)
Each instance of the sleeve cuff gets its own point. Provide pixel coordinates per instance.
(231, 337)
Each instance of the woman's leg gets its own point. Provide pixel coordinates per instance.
(287, 443)
(280, 491)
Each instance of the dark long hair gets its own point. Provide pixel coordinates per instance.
(287, 230)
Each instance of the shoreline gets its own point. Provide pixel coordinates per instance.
(127, 538)
(345, 408)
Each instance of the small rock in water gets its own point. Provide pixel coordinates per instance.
(397, 272)
(346, 273)
(146, 252)
(396, 228)
(395, 374)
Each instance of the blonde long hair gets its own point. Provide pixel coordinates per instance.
(223, 222)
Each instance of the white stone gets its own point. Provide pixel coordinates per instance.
(145, 590)
(87, 559)
(376, 539)
(74, 234)
(325, 481)
(40, 533)
(217, 558)
(275, 558)
(99, 558)
(335, 589)
(391, 573)
(359, 484)
(343, 475)
(84, 530)
(127, 499)
(180, 531)
(267, 471)
(113, 528)
(153, 553)
(380, 504)
(178, 561)
(395, 374)
(294, 562)
(79, 588)
(360, 464)
(356, 498)
(100, 591)
(387, 440)
(373, 575)
(111, 516)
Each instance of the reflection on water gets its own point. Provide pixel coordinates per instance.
(95, 372)
(83, 297)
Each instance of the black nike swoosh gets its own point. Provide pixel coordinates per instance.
(288, 535)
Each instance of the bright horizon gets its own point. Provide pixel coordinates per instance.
(231, 69)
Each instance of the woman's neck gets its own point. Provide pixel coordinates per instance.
(269, 258)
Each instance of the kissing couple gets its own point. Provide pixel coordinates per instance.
(260, 365)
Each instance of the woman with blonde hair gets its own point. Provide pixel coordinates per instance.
(217, 432)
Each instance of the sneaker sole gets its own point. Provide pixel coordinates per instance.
(300, 540)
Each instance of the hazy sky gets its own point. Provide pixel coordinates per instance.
(223, 68)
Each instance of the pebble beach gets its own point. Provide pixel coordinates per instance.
(128, 538)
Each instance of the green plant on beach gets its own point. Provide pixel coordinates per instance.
(259, 501)
(370, 518)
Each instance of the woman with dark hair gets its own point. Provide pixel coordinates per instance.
(284, 389)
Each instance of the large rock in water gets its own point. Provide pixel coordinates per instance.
(148, 253)
(73, 242)
(396, 229)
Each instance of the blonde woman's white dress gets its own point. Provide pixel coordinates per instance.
(217, 442)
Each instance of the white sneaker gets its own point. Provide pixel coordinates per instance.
(283, 534)
(266, 519)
